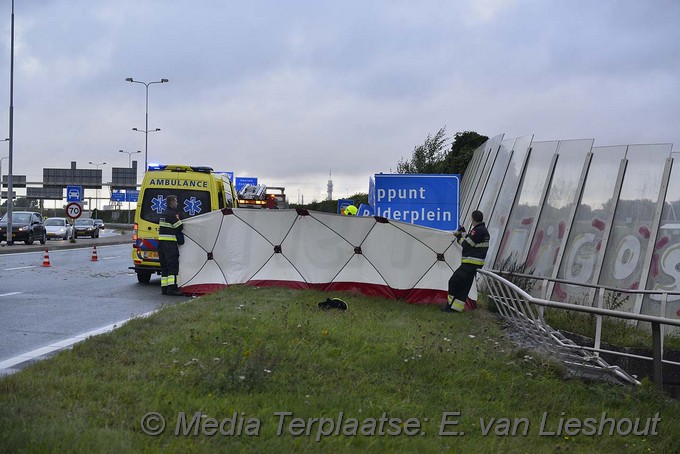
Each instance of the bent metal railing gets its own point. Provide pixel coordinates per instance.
(525, 312)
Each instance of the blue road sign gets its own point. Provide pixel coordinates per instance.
(365, 210)
(242, 181)
(344, 203)
(117, 196)
(427, 200)
(230, 175)
(74, 193)
(371, 191)
(131, 196)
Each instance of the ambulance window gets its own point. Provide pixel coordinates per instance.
(190, 203)
(220, 200)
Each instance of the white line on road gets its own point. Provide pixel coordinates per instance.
(20, 268)
(111, 258)
(10, 294)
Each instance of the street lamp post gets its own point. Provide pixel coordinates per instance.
(130, 153)
(4, 157)
(146, 143)
(146, 127)
(10, 178)
(96, 196)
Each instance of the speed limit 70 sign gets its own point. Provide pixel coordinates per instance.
(74, 210)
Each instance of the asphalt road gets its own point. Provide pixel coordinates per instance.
(106, 237)
(42, 306)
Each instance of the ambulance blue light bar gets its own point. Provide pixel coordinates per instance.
(179, 168)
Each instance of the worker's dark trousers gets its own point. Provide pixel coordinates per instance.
(460, 285)
(168, 253)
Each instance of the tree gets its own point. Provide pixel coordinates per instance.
(331, 206)
(430, 157)
(462, 147)
(23, 202)
(426, 158)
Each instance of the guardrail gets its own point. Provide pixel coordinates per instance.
(516, 305)
(118, 226)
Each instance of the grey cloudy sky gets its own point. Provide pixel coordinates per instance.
(288, 90)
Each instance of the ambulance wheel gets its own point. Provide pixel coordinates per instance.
(143, 277)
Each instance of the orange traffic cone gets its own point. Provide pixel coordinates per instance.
(94, 254)
(46, 259)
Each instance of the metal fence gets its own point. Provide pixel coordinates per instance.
(525, 313)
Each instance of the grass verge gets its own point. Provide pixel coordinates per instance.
(265, 370)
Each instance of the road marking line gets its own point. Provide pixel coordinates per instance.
(20, 268)
(111, 258)
(33, 354)
(10, 294)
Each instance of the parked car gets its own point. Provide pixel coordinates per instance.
(58, 228)
(100, 224)
(85, 227)
(27, 226)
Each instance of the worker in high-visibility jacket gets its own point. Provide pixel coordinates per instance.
(169, 235)
(475, 246)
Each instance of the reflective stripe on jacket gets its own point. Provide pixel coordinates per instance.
(169, 225)
(475, 245)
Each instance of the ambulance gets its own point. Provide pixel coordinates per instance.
(198, 190)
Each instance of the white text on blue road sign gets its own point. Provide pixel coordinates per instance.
(416, 214)
(427, 200)
(241, 182)
(401, 194)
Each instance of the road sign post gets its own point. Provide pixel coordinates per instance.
(131, 196)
